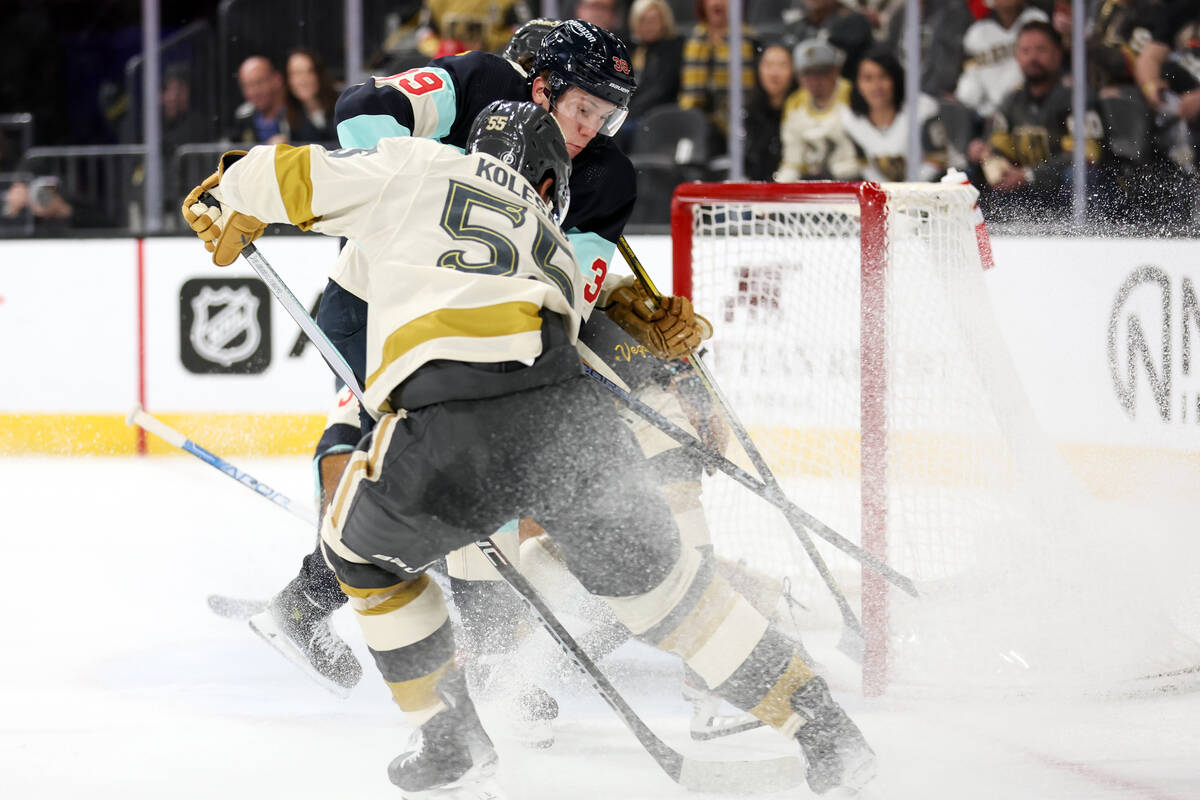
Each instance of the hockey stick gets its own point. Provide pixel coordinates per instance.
(773, 496)
(724, 776)
(769, 775)
(298, 312)
(139, 416)
(796, 517)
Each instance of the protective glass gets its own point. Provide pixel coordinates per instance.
(590, 112)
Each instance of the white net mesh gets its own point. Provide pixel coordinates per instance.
(1025, 579)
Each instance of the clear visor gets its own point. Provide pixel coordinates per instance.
(590, 112)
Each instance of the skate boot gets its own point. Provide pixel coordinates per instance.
(299, 628)
(450, 756)
(707, 720)
(535, 712)
(834, 749)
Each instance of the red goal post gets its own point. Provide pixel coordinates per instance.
(752, 237)
(854, 338)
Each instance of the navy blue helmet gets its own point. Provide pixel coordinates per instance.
(577, 53)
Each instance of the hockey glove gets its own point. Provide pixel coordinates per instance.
(668, 329)
(224, 231)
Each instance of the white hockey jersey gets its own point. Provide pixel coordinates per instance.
(990, 71)
(456, 253)
(883, 152)
(814, 143)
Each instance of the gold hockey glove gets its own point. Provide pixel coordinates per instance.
(224, 231)
(669, 329)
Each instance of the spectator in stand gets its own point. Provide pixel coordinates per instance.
(1168, 71)
(1026, 163)
(262, 118)
(310, 98)
(52, 214)
(944, 23)
(474, 24)
(657, 57)
(991, 72)
(607, 14)
(764, 112)
(880, 13)
(181, 124)
(815, 144)
(705, 80)
(848, 31)
(878, 121)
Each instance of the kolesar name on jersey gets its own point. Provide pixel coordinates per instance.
(506, 179)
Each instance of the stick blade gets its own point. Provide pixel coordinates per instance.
(852, 644)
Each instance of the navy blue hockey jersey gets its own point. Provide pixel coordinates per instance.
(440, 101)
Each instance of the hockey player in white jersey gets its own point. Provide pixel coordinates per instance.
(485, 415)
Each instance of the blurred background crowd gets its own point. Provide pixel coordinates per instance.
(823, 87)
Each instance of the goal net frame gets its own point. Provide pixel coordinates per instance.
(871, 200)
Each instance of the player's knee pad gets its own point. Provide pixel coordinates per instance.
(406, 625)
(696, 614)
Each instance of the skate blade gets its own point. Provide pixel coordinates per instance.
(719, 726)
(479, 783)
(486, 789)
(265, 626)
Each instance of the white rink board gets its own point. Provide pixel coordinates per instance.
(1056, 301)
(68, 325)
(288, 384)
(75, 303)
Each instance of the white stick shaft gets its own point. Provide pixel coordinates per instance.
(138, 416)
(299, 313)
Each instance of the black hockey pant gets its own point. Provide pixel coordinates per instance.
(446, 475)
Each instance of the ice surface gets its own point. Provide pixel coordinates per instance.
(116, 680)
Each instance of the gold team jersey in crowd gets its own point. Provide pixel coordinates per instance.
(457, 255)
(814, 142)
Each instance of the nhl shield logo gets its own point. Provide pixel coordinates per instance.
(225, 326)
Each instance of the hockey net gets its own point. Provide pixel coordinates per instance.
(856, 342)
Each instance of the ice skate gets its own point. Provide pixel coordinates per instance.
(836, 752)
(707, 720)
(299, 628)
(450, 757)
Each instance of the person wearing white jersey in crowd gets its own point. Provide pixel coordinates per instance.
(877, 122)
(990, 71)
(815, 144)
